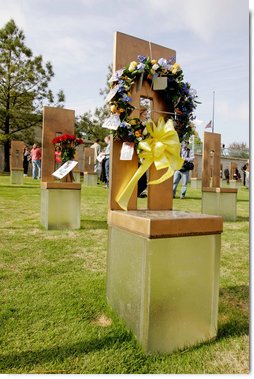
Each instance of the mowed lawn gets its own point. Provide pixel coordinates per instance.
(54, 318)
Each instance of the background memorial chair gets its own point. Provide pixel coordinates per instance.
(216, 200)
(60, 200)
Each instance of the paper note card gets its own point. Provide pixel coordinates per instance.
(127, 151)
(62, 171)
(112, 122)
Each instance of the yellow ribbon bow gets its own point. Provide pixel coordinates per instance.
(162, 148)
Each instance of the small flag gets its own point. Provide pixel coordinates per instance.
(209, 125)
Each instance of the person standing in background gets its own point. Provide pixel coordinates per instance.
(183, 173)
(247, 179)
(106, 159)
(36, 161)
(226, 174)
(58, 159)
(97, 149)
(246, 174)
(26, 158)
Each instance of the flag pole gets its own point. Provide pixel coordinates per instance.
(213, 112)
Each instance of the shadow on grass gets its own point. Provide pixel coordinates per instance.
(233, 321)
(11, 227)
(242, 218)
(58, 353)
(19, 186)
(233, 312)
(93, 224)
(188, 198)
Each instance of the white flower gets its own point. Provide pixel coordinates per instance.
(155, 67)
(192, 93)
(163, 62)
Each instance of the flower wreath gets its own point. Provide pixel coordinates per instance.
(179, 96)
(156, 144)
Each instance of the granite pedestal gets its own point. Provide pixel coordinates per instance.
(196, 183)
(163, 276)
(220, 201)
(17, 176)
(90, 178)
(60, 205)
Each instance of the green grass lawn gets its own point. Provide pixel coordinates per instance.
(54, 317)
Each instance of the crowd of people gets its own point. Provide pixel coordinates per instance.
(102, 161)
(33, 156)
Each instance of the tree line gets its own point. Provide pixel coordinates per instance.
(25, 89)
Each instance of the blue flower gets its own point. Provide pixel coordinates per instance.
(130, 133)
(171, 61)
(121, 86)
(124, 125)
(126, 98)
(186, 88)
(141, 58)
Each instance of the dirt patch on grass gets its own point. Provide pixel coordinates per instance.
(233, 359)
(102, 321)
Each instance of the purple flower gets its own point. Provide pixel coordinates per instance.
(121, 86)
(124, 125)
(186, 88)
(141, 58)
(171, 60)
(130, 133)
(126, 98)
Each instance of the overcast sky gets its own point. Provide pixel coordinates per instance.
(211, 39)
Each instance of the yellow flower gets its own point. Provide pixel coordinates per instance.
(153, 61)
(113, 108)
(133, 122)
(132, 66)
(176, 67)
(138, 133)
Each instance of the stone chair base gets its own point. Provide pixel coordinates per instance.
(220, 201)
(17, 176)
(60, 205)
(196, 183)
(163, 276)
(90, 178)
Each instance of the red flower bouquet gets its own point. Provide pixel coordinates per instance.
(67, 144)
